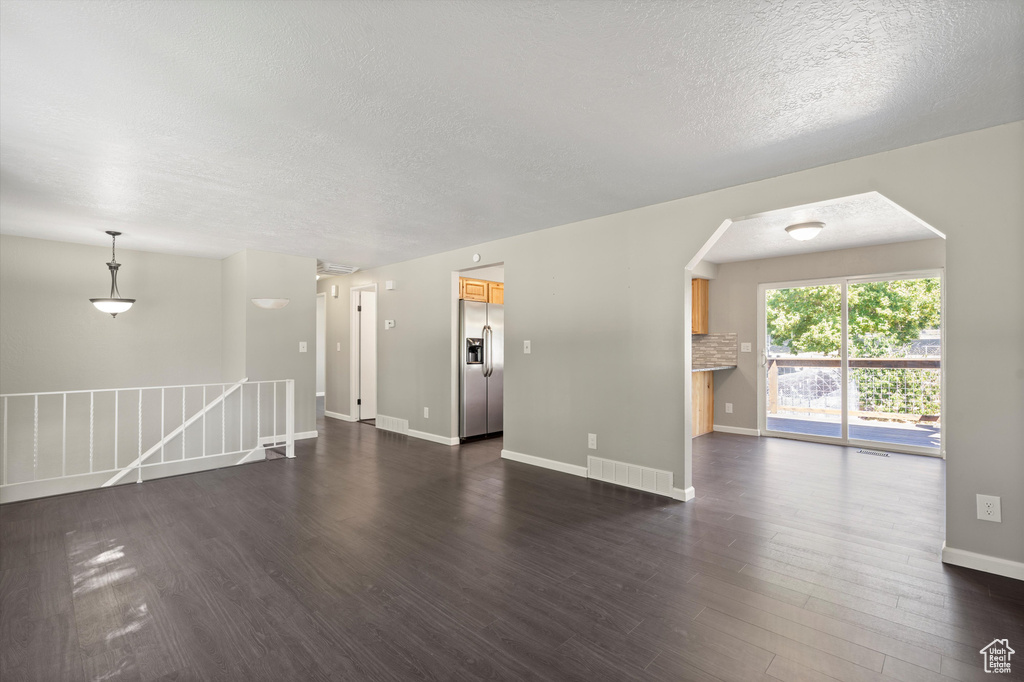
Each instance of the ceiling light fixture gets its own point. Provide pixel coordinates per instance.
(114, 304)
(804, 231)
(270, 303)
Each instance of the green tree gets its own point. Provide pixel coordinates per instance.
(884, 317)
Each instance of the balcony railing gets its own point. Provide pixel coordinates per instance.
(67, 441)
(890, 389)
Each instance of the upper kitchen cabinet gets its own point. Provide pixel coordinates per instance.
(496, 292)
(473, 289)
(699, 312)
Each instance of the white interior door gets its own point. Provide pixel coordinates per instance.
(367, 355)
(321, 344)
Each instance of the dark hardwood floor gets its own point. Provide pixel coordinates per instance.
(373, 556)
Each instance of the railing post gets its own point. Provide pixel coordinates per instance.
(241, 417)
(138, 478)
(183, 419)
(35, 439)
(204, 421)
(290, 418)
(4, 479)
(92, 422)
(64, 439)
(163, 415)
(223, 419)
(116, 414)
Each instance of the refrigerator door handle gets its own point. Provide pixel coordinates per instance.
(488, 350)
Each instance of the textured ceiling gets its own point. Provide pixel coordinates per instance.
(372, 132)
(863, 220)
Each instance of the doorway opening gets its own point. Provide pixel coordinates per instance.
(363, 368)
(478, 368)
(833, 336)
(321, 345)
(853, 361)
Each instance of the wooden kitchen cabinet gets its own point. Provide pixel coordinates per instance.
(473, 289)
(703, 403)
(699, 309)
(481, 290)
(496, 293)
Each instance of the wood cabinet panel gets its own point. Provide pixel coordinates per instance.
(703, 403)
(496, 292)
(474, 289)
(699, 310)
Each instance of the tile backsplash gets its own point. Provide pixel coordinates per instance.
(714, 350)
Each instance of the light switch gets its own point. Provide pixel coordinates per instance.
(389, 284)
(526, 347)
(339, 345)
(302, 346)
(744, 347)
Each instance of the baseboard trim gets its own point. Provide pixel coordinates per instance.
(738, 430)
(321, 395)
(432, 437)
(339, 415)
(303, 435)
(982, 562)
(683, 494)
(573, 469)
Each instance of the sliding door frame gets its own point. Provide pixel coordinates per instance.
(844, 282)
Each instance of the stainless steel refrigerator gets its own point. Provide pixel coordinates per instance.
(482, 365)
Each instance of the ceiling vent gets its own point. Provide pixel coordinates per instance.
(334, 269)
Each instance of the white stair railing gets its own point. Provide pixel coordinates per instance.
(66, 441)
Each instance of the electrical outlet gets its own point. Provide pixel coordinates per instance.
(302, 346)
(592, 441)
(426, 413)
(989, 508)
(339, 345)
(389, 324)
(526, 347)
(728, 408)
(744, 347)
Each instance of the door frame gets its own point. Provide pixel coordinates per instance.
(321, 344)
(844, 282)
(355, 348)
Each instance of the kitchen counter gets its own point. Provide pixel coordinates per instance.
(713, 369)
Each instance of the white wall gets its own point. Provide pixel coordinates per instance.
(732, 304)
(609, 361)
(53, 339)
(490, 273)
(272, 336)
(193, 322)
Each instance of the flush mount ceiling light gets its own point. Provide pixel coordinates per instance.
(270, 303)
(114, 304)
(804, 231)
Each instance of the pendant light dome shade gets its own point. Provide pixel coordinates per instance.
(804, 231)
(113, 304)
(270, 303)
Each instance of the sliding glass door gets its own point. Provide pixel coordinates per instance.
(854, 361)
(895, 348)
(803, 360)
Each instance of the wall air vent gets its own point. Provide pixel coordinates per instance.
(876, 453)
(334, 269)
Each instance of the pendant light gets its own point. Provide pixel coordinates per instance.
(114, 304)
